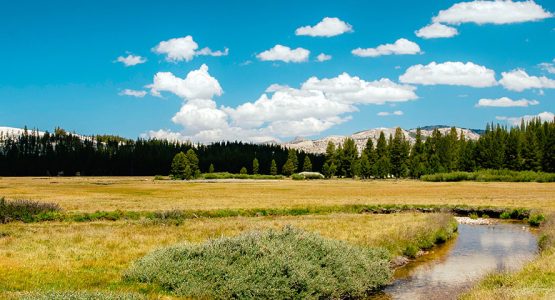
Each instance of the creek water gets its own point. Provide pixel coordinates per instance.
(451, 269)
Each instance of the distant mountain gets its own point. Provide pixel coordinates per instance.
(360, 138)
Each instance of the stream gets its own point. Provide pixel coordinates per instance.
(451, 269)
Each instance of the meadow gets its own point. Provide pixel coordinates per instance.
(82, 256)
(89, 194)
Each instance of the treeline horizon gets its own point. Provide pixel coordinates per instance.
(528, 147)
(67, 154)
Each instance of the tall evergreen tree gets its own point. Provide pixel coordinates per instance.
(273, 167)
(382, 164)
(307, 165)
(180, 168)
(255, 166)
(399, 154)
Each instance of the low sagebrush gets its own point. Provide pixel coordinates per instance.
(283, 264)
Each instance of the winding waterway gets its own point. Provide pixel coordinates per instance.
(451, 269)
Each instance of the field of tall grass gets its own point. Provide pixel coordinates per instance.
(92, 256)
(91, 194)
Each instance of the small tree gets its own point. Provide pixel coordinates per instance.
(288, 168)
(255, 166)
(193, 162)
(243, 170)
(211, 168)
(307, 165)
(273, 167)
(179, 166)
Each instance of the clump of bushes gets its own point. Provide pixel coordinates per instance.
(491, 175)
(274, 264)
(547, 233)
(80, 295)
(26, 210)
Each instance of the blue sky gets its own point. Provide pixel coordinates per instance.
(59, 66)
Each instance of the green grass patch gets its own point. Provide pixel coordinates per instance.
(274, 264)
(491, 175)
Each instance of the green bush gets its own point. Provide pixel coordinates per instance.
(297, 177)
(80, 295)
(536, 220)
(491, 175)
(273, 264)
(24, 210)
(160, 177)
(411, 251)
(505, 215)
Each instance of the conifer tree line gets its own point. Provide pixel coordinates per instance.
(530, 147)
(63, 153)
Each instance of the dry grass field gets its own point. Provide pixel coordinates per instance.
(93, 255)
(144, 194)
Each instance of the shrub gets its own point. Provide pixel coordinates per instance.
(411, 251)
(473, 216)
(505, 215)
(297, 177)
(159, 177)
(273, 264)
(535, 220)
(24, 210)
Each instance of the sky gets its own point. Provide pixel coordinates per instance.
(273, 70)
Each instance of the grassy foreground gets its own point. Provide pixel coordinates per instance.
(535, 281)
(90, 194)
(94, 255)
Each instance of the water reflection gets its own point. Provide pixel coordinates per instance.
(451, 269)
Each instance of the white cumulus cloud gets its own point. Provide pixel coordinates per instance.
(281, 111)
(401, 46)
(544, 116)
(133, 93)
(198, 84)
(131, 60)
(450, 73)
(285, 54)
(386, 113)
(328, 27)
(436, 30)
(323, 57)
(494, 12)
(518, 80)
(184, 49)
(505, 102)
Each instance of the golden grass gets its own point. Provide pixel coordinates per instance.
(63, 256)
(143, 193)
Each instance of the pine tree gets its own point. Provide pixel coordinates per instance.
(365, 170)
(382, 163)
(193, 162)
(348, 157)
(307, 165)
(399, 154)
(372, 158)
(180, 168)
(288, 168)
(211, 168)
(243, 171)
(417, 156)
(273, 167)
(255, 166)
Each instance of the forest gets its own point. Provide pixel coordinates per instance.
(528, 147)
